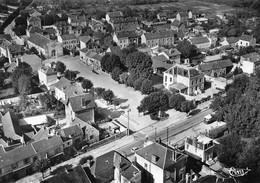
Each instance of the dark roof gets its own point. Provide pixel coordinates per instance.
(71, 131)
(115, 14)
(11, 126)
(231, 40)
(44, 145)
(163, 155)
(33, 19)
(160, 35)
(15, 155)
(97, 57)
(130, 171)
(127, 34)
(252, 57)
(16, 48)
(172, 52)
(246, 37)
(199, 40)
(85, 39)
(6, 36)
(176, 23)
(39, 40)
(115, 49)
(50, 30)
(160, 62)
(35, 29)
(48, 71)
(68, 37)
(103, 163)
(219, 64)
(33, 60)
(76, 102)
(63, 83)
(77, 174)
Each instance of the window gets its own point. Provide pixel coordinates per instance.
(170, 79)
(200, 80)
(145, 166)
(27, 160)
(165, 78)
(91, 137)
(14, 166)
(192, 82)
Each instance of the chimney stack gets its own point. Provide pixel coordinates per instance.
(83, 102)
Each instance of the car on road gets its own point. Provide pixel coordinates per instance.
(134, 149)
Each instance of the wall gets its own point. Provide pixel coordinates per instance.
(248, 67)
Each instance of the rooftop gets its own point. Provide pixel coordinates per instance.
(68, 37)
(11, 126)
(39, 40)
(246, 37)
(252, 57)
(219, 64)
(115, 14)
(71, 131)
(48, 70)
(33, 60)
(160, 35)
(44, 145)
(199, 40)
(82, 102)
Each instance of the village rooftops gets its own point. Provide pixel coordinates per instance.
(252, 57)
(70, 131)
(232, 40)
(125, 20)
(160, 62)
(160, 35)
(127, 34)
(176, 23)
(187, 71)
(82, 102)
(48, 70)
(219, 64)
(39, 40)
(85, 39)
(245, 37)
(16, 155)
(199, 40)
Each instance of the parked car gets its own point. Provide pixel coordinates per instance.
(154, 116)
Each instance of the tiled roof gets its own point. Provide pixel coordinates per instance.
(97, 57)
(11, 126)
(39, 40)
(6, 36)
(35, 29)
(125, 20)
(33, 60)
(215, 65)
(82, 124)
(16, 48)
(126, 34)
(15, 155)
(50, 30)
(115, 49)
(76, 102)
(130, 171)
(231, 40)
(172, 52)
(85, 39)
(48, 71)
(63, 84)
(199, 40)
(160, 62)
(115, 14)
(43, 133)
(68, 37)
(163, 155)
(176, 23)
(160, 35)
(71, 131)
(44, 145)
(246, 37)
(252, 57)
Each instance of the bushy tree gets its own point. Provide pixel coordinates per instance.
(131, 79)
(147, 86)
(187, 49)
(41, 165)
(125, 52)
(175, 101)
(70, 75)
(22, 69)
(108, 95)
(115, 74)
(99, 91)
(87, 84)
(123, 77)
(24, 85)
(187, 106)
(3, 60)
(110, 61)
(138, 83)
(60, 67)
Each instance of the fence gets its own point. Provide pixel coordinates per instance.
(103, 142)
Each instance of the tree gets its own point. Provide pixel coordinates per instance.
(22, 69)
(125, 52)
(140, 64)
(138, 83)
(87, 84)
(2, 79)
(60, 67)
(187, 49)
(108, 40)
(34, 51)
(156, 101)
(187, 106)
(110, 61)
(175, 101)
(116, 73)
(108, 95)
(123, 77)
(131, 79)
(70, 75)
(41, 165)
(24, 85)
(99, 91)
(147, 86)
(3, 60)
(24, 101)
(48, 101)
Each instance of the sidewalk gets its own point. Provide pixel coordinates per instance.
(37, 177)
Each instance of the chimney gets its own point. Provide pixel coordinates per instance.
(195, 141)
(83, 102)
(174, 155)
(154, 158)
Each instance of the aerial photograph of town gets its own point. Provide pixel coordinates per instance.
(129, 91)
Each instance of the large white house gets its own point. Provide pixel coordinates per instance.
(250, 62)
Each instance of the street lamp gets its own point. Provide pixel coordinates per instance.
(128, 110)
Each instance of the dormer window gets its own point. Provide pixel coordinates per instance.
(154, 158)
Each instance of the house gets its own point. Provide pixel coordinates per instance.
(81, 106)
(11, 128)
(84, 41)
(90, 133)
(160, 26)
(125, 24)
(14, 52)
(162, 16)
(76, 174)
(161, 163)
(125, 171)
(51, 147)
(69, 41)
(97, 25)
(185, 79)
(177, 25)
(158, 38)
(160, 64)
(250, 62)
(198, 30)
(16, 164)
(216, 68)
(76, 30)
(33, 60)
(45, 46)
(245, 41)
(200, 42)
(65, 89)
(112, 15)
(75, 20)
(34, 29)
(124, 38)
(113, 49)
(200, 147)
(71, 136)
(183, 16)
(63, 27)
(34, 21)
(173, 55)
(47, 76)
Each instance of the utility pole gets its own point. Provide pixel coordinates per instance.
(155, 134)
(167, 134)
(129, 110)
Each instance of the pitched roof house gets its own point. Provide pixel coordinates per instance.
(158, 38)
(47, 76)
(250, 62)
